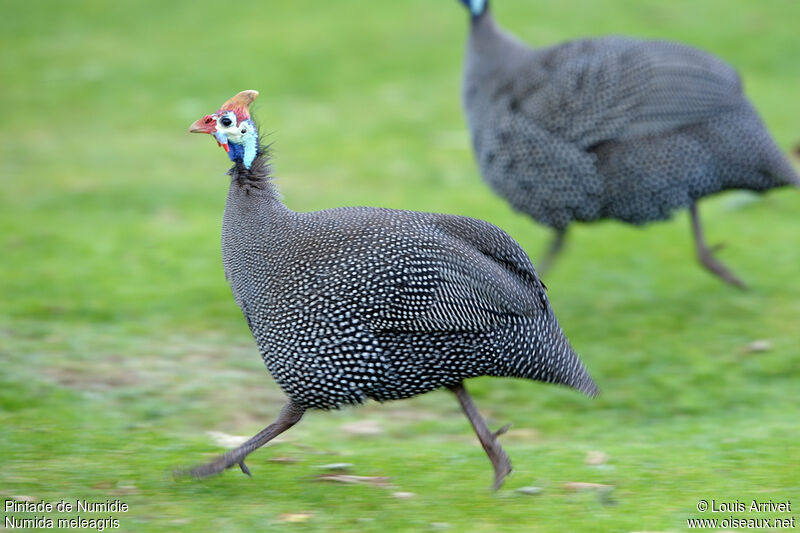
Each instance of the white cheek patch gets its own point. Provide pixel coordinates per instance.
(232, 132)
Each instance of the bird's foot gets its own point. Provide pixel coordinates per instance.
(290, 415)
(499, 458)
(501, 431)
(502, 467)
(223, 462)
(716, 267)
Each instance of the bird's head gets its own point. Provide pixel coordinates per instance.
(233, 128)
(476, 7)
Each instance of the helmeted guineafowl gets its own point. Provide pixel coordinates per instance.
(356, 303)
(611, 127)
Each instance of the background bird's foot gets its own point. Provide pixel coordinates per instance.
(721, 271)
(556, 245)
(705, 254)
(717, 247)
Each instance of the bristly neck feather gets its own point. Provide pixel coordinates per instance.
(256, 180)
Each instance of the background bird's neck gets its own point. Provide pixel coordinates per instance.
(483, 23)
(490, 48)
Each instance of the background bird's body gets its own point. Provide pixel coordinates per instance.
(610, 127)
(355, 303)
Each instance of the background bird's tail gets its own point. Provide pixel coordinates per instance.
(796, 154)
(782, 169)
(793, 178)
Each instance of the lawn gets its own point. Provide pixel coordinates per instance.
(123, 355)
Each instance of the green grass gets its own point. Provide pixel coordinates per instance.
(120, 345)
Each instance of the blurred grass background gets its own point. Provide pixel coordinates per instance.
(121, 346)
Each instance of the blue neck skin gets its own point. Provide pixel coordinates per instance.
(244, 149)
(476, 7)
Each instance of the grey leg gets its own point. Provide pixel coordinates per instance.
(290, 415)
(552, 252)
(498, 457)
(704, 254)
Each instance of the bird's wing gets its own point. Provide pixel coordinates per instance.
(596, 90)
(471, 276)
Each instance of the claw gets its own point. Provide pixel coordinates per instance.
(705, 254)
(244, 468)
(501, 430)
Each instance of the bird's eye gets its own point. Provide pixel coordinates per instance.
(225, 121)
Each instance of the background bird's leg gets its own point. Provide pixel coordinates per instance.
(498, 457)
(552, 251)
(290, 415)
(704, 254)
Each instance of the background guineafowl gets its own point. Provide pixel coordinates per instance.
(611, 128)
(355, 303)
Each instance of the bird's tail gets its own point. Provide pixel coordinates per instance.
(547, 356)
(565, 366)
(576, 376)
(583, 381)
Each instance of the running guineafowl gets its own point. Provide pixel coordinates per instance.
(611, 127)
(356, 303)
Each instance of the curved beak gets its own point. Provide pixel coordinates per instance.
(206, 124)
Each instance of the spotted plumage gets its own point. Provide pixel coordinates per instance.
(355, 303)
(610, 127)
(359, 303)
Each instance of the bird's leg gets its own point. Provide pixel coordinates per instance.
(552, 251)
(290, 415)
(498, 457)
(704, 254)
